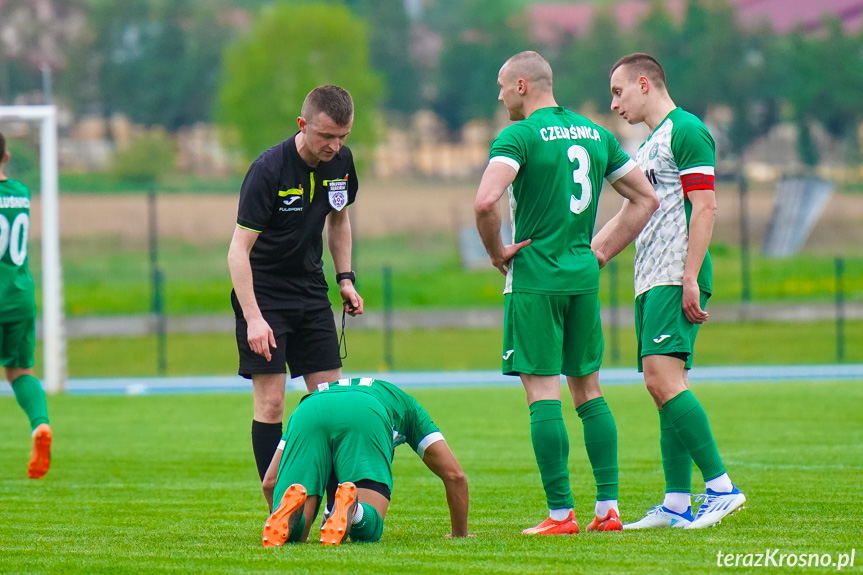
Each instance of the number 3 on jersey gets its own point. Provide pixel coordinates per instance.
(580, 176)
(14, 237)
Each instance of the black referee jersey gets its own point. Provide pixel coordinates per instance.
(287, 202)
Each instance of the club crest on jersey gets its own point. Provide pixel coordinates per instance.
(654, 151)
(337, 190)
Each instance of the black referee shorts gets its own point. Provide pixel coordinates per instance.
(306, 340)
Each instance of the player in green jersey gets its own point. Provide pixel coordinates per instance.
(553, 162)
(350, 428)
(673, 280)
(18, 315)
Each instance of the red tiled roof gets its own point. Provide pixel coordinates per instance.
(550, 23)
(785, 15)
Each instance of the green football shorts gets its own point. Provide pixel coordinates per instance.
(551, 334)
(17, 343)
(661, 327)
(346, 431)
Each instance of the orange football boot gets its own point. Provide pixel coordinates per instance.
(40, 459)
(338, 524)
(611, 522)
(278, 526)
(568, 526)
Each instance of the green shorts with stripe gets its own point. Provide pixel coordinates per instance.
(661, 327)
(551, 334)
(18, 342)
(342, 431)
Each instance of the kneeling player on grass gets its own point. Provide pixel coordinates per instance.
(351, 428)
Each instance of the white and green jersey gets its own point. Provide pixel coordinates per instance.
(677, 158)
(561, 159)
(16, 283)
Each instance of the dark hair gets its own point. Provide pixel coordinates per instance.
(640, 64)
(2, 146)
(333, 101)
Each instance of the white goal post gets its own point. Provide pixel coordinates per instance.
(54, 342)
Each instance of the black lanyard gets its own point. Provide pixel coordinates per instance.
(342, 340)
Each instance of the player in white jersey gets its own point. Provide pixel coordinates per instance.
(673, 280)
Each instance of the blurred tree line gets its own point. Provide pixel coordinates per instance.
(249, 63)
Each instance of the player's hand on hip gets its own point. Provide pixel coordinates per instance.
(351, 300)
(508, 253)
(600, 257)
(260, 337)
(691, 302)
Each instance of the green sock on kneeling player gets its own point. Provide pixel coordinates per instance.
(369, 524)
(297, 531)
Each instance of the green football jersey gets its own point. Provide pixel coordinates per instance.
(16, 284)
(411, 423)
(680, 154)
(561, 159)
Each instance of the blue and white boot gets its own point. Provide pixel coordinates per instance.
(716, 506)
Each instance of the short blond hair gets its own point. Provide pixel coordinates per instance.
(532, 67)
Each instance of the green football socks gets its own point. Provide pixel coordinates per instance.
(551, 448)
(690, 421)
(370, 525)
(31, 397)
(676, 461)
(600, 440)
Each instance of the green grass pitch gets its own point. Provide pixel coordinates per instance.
(147, 484)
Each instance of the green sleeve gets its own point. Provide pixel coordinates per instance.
(616, 156)
(418, 425)
(510, 143)
(692, 145)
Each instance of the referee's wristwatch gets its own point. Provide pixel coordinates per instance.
(346, 276)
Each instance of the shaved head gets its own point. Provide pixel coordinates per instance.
(532, 67)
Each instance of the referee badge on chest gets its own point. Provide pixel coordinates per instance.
(337, 191)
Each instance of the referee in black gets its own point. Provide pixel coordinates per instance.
(283, 315)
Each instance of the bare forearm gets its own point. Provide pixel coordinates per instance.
(488, 225)
(339, 241)
(603, 234)
(495, 180)
(628, 223)
(241, 278)
(640, 203)
(268, 485)
(700, 231)
(457, 499)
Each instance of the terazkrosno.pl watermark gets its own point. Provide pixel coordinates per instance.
(776, 558)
